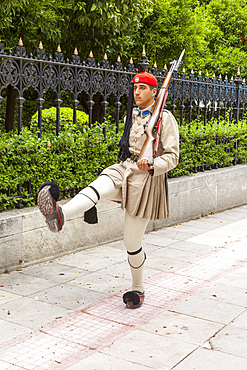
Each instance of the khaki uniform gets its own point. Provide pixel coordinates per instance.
(144, 194)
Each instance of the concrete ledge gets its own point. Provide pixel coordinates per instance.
(24, 238)
(205, 192)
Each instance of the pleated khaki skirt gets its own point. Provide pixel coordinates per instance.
(142, 195)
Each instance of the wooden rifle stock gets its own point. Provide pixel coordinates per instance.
(147, 150)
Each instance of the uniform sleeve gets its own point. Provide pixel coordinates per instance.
(168, 150)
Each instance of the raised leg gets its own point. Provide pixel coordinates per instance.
(102, 188)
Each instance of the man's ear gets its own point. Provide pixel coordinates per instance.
(154, 91)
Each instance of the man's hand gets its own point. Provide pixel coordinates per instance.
(142, 164)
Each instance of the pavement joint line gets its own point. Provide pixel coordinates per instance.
(184, 358)
(83, 332)
(204, 343)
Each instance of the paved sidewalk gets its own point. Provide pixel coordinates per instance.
(68, 313)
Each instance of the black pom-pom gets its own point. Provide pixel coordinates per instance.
(54, 189)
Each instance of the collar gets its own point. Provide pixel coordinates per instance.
(144, 112)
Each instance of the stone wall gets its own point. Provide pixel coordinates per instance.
(24, 238)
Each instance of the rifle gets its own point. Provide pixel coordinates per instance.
(148, 151)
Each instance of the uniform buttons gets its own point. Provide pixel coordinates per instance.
(135, 140)
(136, 132)
(128, 159)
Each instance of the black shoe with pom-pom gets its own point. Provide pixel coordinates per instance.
(133, 299)
(48, 195)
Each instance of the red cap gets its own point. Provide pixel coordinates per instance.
(145, 78)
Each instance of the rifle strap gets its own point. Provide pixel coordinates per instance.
(158, 126)
(158, 136)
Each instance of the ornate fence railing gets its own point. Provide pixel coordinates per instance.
(189, 97)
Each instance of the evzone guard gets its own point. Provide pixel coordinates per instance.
(139, 185)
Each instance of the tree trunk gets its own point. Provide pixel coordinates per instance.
(97, 107)
(10, 108)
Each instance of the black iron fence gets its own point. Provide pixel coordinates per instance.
(102, 86)
(189, 96)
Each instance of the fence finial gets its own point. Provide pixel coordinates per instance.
(207, 74)
(118, 59)
(220, 77)
(131, 66)
(192, 72)
(105, 57)
(165, 67)
(238, 73)
(20, 43)
(143, 64)
(143, 51)
(226, 78)
(91, 54)
(200, 73)
(75, 51)
(213, 75)
(232, 78)
(40, 45)
(59, 48)
(183, 69)
(155, 65)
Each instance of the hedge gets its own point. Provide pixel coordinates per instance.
(73, 159)
(219, 143)
(78, 155)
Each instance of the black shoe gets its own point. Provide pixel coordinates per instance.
(133, 299)
(50, 209)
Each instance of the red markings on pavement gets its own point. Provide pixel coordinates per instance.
(79, 334)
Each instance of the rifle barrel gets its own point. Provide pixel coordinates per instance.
(179, 61)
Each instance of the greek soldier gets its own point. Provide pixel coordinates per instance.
(141, 189)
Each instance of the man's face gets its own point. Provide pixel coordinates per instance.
(143, 95)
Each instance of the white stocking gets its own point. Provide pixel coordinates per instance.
(134, 228)
(87, 197)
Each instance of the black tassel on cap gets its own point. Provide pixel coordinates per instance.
(124, 152)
